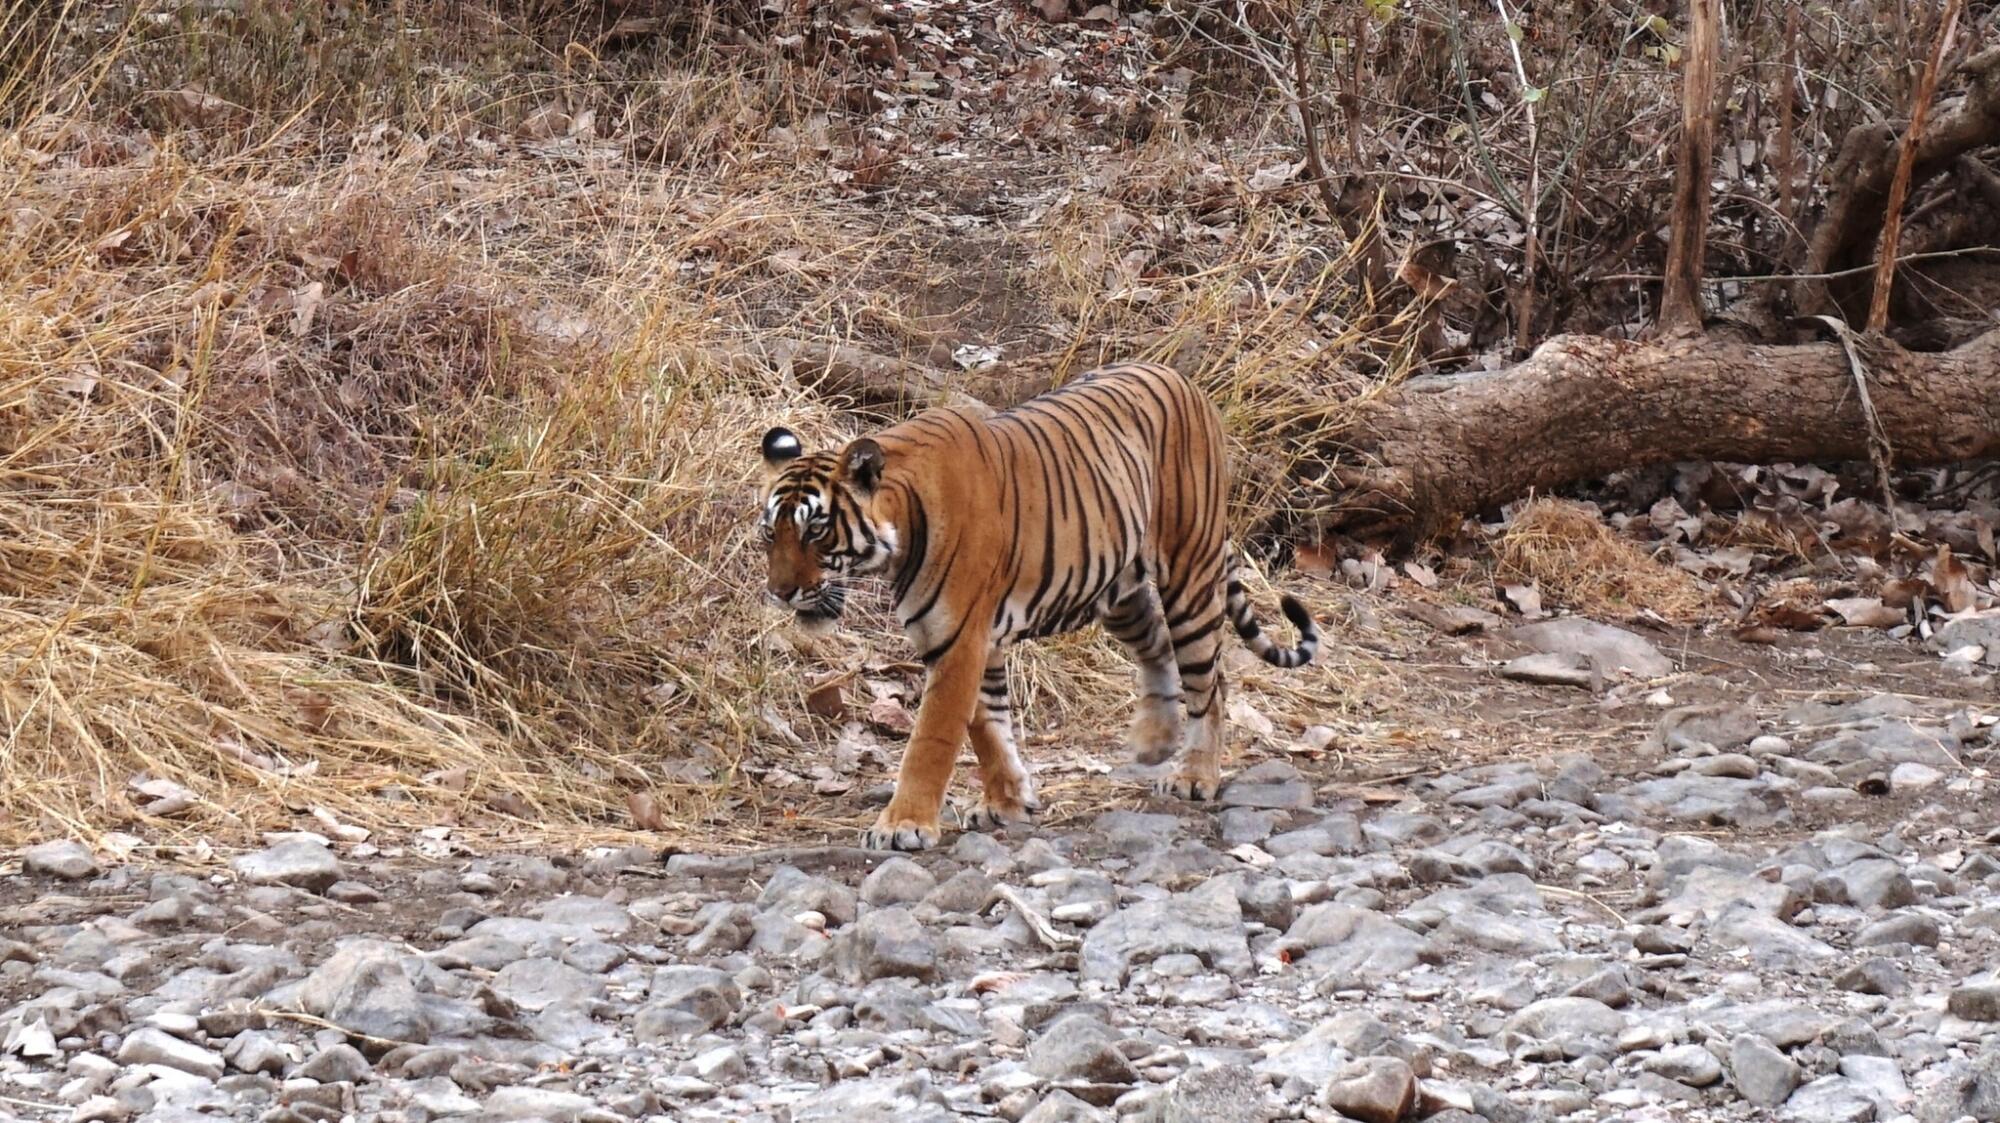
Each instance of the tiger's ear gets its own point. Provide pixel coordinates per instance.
(862, 464)
(781, 445)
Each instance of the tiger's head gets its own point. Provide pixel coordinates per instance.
(821, 523)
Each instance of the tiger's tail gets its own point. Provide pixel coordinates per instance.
(1245, 622)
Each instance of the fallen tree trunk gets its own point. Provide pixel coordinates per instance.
(1581, 407)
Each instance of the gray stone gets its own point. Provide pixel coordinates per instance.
(1966, 1090)
(1273, 784)
(1207, 1095)
(1079, 1047)
(335, 1064)
(792, 891)
(1247, 825)
(1977, 999)
(1871, 883)
(1061, 1107)
(1372, 1090)
(721, 1065)
(1911, 928)
(1689, 1064)
(702, 996)
(1760, 1072)
(297, 862)
(1706, 799)
(727, 929)
(897, 881)
(257, 1051)
(1831, 1099)
(905, 1099)
(545, 1105)
(536, 984)
(1705, 891)
(886, 942)
(1551, 668)
(1765, 937)
(1206, 921)
(1346, 944)
(364, 989)
(64, 858)
(1874, 976)
(1880, 1079)
(149, 1046)
(1565, 1020)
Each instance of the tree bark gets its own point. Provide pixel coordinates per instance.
(1581, 407)
(1680, 300)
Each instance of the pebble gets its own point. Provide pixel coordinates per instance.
(297, 862)
(65, 859)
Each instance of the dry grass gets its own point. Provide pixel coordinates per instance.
(1582, 564)
(358, 454)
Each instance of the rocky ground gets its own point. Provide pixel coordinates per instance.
(1763, 911)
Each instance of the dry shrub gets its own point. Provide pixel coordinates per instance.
(1566, 550)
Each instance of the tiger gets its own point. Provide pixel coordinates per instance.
(1100, 501)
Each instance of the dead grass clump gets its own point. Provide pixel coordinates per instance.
(1566, 550)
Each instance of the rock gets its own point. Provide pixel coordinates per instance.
(1567, 1020)
(1706, 891)
(536, 984)
(1977, 999)
(721, 1065)
(1206, 921)
(65, 858)
(1611, 651)
(1831, 1099)
(1880, 1079)
(1910, 928)
(1706, 799)
(728, 929)
(1551, 668)
(792, 891)
(908, 1099)
(1061, 1107)
(1912, 776)
(297, 862)
(257, 1051)
(1691, 1065)
(1874, 976)
(1272, 784)
(149, 1046)
(1372, 1090)
(886, 942)
(1871, 883)
(702, 997)
(544, 1105)
(1768, 939)
(364, 989)
(1079, 1047)
(897, 881)
(1966, 1091)
(1206, 1095)
(337, 1063)
(1760, 1072)
(1243, 826)
(1347, 944)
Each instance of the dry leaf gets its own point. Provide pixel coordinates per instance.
(1526, 599)
(1422, 574)
(510, 803)
(1866, 612)
(1953, 582)
(1247, 716)
(451, 779)
(990, 982)
(345, 832)
(305, 302)
(645, 813)
(1314, 561)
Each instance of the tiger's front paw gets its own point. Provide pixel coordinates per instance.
(992, 813)
(1191, 784)
(893, 831)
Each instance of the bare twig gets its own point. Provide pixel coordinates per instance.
(1525, 316)
(1880, 452)
(1036, 922)
(1906, 158)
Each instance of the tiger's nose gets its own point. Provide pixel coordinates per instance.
(783, 592)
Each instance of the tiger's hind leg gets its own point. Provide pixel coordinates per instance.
(1008, 789)
(1194, 624)
(1137, 621)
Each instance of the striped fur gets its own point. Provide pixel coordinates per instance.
(1103, 501)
